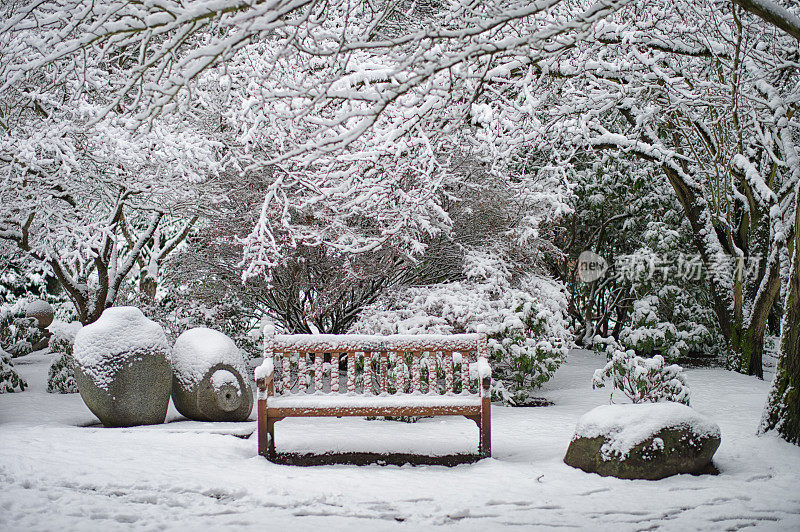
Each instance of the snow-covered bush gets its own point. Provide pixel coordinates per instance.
(10, 381)
(61, 375)
(18, 334)
(655, 296)
(643, 380)
(671, 314)
(526, 325)
(20, 278)
(650, 333)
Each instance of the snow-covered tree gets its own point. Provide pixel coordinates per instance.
(782, 412)
(355, 104)
(69, 212)
(703, 93)
(74, 174)
(167, 237)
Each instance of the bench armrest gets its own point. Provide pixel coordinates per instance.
(265, 378)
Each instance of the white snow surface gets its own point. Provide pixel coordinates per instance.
(373, 401)
(221, 377)
(198, 350)
(368, 342)
(483, 368)
(267, 367)
(627, 425)
(38, 306)
(60, 469)
(65, 329)
(118, 330)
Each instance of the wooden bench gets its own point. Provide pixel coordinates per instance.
(399, 375)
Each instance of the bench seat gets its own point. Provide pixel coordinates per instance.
(301, 405)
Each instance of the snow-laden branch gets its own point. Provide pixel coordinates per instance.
(773, 13)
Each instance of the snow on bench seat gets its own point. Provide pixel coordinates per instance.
(373, 401)
(363, 405)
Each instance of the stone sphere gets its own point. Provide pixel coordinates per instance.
(210, 378)
(42, 311)
(122, 368)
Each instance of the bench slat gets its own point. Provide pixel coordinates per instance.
(465, 372)
(400, 372)
(318, 357)
(351, 372)
(433, 377)
(301, 372)
(334, 372)
(448, 373)
(368, 373)
(287, 373)
(415, 371)
(384, 375)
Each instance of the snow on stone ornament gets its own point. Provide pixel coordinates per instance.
(211, 381)
(42, 311)
(122, 368)
(591, 266)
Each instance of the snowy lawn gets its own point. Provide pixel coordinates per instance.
(58, 469)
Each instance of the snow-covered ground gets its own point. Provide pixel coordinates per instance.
(59, 470)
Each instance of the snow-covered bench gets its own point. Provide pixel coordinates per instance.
(398, 375)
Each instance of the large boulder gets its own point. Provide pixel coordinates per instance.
(643, 441)
(210, 378)
(122, 369)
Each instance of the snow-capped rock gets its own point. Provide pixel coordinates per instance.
(644, 441)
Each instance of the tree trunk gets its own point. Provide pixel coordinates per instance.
(783, 406)
(745, 344)
(782, 412)
(746, 347)
(148, 286)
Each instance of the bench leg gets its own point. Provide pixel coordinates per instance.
(262, 427)
(266, 432)
(485, 445)
(271, 454)
(484, 442)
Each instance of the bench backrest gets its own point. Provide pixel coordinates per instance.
(395, 364)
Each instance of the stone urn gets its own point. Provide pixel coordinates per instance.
(210, 378)
(122, 368)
